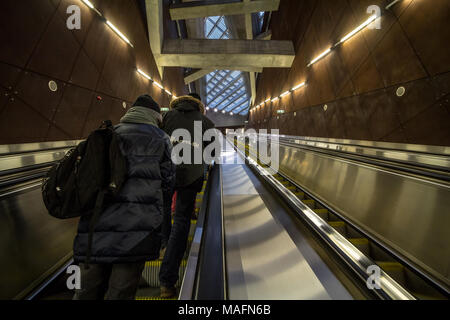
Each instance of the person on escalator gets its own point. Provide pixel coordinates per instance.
(187, 112)
(128, 231)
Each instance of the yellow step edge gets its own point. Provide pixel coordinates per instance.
(308, 202)
(292, 188)
(153, 299)
(320, 211)
(390, 266)
(337, 224)
(300, 194)
(193, 222)
(359, 241)
(157, 263)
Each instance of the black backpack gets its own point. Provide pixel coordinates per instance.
(78, 184)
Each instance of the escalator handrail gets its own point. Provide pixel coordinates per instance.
(204, 278)
(404, 147)
(415, 155)
(11, 149)
(188, 283)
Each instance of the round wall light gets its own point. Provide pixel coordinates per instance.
(400, 91)
(53, 86)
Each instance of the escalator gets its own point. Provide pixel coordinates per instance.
(405, 272)
(260, 234)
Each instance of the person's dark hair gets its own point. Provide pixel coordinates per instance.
(147, 102)
(195, 95)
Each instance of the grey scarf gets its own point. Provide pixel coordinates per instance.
(142, 115)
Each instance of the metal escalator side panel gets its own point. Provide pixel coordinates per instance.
(389, 207)
(33, 243)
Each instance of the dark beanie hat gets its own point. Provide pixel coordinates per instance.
(147, 102)
(195, 95)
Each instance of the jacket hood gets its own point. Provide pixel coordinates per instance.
(187, 103)
(144, 115)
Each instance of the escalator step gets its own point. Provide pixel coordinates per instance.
(300, 195)
(193, 222)
(153, 299)
(362, 244)
(359, 241)
(339, 226)
(395, 270)
(151, 273)
(310, 203)
(390, 266)
(323, 213)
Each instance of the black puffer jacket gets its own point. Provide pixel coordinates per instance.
(185, 111)
(128, 228)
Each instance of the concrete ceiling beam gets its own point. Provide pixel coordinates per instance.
(154, 11)
(201, 9)
(227, 54)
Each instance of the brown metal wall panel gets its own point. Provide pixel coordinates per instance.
(339, 76)
(98, 43)
(34, 90)
(85, 73)
(430, 126)
(85, 63)
(99, 110)
(334, 120)
(358, 80)
(8, 75)
(56, 52)
(319, 88)
(418, 96)
(442, 84)
(318, 120)
(23, 23)
(396, 59)
(367, 78)
(354, 52)
(428, 28)
(380, 113)
(55, 134)
(73, 110)
(355, 122)
(3, 99)
(398, 135)
(19, 124)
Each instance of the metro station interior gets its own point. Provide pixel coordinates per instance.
(348, 200)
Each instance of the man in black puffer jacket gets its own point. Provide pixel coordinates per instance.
(127, 233)
(186, 113)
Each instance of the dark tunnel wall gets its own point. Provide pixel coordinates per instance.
(358, 80)
(38, 47)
